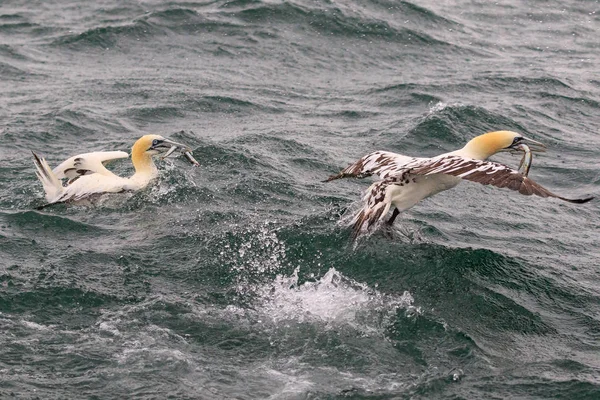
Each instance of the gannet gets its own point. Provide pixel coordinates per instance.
(405, 181)
(86, 173)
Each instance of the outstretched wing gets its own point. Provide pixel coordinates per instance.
(486, 173)
(396, 169)
(381, 163)
(86, 164)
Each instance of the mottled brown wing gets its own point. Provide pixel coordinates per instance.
(381, 163)
(487, 173)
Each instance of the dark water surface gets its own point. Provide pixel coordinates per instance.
(236, 280)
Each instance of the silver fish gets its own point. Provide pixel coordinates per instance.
(186, 151)
(169, 152)
(526, 160)
(188, 155)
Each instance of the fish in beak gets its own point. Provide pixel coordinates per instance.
(171, 146)
(527, 147)
(525, 160)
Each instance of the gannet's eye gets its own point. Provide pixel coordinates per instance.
(517, 139)
(154, 142)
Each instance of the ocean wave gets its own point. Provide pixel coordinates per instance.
(153, 113)
(9, 51)
(54, 301)
(219, 157)
(527, 83)
(39, 222)
(229, 26)
(228, 105)
(145, 28)
(188, 21)
(23, 28)
(78, 121)
(109, 36)
(11, 72)
(477, 282)
(334, 21)
(449, 126)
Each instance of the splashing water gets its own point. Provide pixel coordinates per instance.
(333, 299)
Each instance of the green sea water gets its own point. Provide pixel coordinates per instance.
(237, 279)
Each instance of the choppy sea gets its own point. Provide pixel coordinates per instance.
(237, 280)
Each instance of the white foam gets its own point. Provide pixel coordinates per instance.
(109, 327)
(295, 379)
(332, 299)
(440, 106)
(290, 384)
(36, 326)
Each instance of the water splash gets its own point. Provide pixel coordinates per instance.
(253, 254)
(441, 106)
(404, 229)
(333, 300)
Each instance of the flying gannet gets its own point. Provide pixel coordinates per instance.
(407, 180)
(87, 175)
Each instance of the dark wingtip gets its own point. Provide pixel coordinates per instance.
(36, 157)
(341, 175)
(332, 178)
(578, 201)
(38, 162)
(44, 206)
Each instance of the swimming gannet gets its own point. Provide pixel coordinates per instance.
(407, 180)
(86, 174)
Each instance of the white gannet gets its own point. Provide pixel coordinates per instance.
(407, 180)
(86, 174)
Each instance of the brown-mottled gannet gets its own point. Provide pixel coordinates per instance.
(87, 175)
(407, 180)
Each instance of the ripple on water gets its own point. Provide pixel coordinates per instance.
(42, 223)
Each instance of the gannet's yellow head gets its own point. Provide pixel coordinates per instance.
(146, 145)
(150, 145)
(488, 144)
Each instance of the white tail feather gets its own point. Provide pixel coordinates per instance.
(52, 186)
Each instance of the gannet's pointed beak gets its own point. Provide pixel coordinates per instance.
(533, 145)
(520, 143)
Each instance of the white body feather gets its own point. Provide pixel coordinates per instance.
(88, 161)
(405, 197)
(87, 175)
